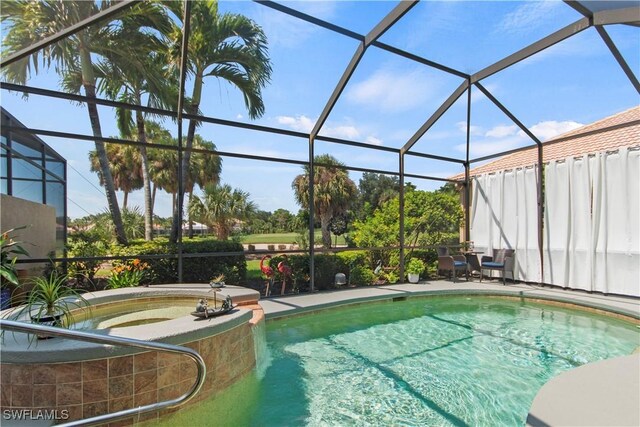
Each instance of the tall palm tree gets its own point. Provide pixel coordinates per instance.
(137, 70)
(204, 169)
(163, 165)
(28, 22)
(333, 192)
(227, 46)
(125, 164)
(221, 207)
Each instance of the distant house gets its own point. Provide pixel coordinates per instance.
(32, 189)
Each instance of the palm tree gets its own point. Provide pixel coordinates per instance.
(137, 70)
(125, 166)
(204, 169)
(221, 207)
(28, 22)
(163, 165)
(332, 189)
(227, 46)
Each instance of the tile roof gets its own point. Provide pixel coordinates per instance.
(607, 134)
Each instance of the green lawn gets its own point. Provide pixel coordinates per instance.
(253, 269)
(283, 238)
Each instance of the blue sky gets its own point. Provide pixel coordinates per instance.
(387, 99)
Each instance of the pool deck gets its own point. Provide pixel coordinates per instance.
(291, 305)
(605, 393)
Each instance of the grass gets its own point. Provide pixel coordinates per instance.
(253, 269)
(283, 238)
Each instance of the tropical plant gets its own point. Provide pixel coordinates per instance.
(9, 251)
(127, 274)
(221, 207)
(126, 168)
(51, 301)
(333, 192)
(204, 169)
(226, 46)
(138, 70)
(414, 266)
(73, 57)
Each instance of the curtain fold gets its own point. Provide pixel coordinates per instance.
(504, 216)
(592, 234)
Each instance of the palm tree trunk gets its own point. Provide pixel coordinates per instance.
(153, 198)
(192, 109)
(190, 220)
(112, 201)
(125, 199)
(325, 218)
(146, 179)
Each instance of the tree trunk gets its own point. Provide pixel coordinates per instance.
(325, 218)
(125, 199)
(190, 220)
(186, 157)
(88, 82)
(146, 179)
(153, 198)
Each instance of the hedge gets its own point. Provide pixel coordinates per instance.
(198, 270)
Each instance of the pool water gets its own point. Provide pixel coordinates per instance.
(132, 313)
(437, 361)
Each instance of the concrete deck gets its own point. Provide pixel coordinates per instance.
(605, 393)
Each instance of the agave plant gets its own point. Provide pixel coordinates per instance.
(52, 301)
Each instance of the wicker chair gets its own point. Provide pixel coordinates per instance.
(502, 260)
(452, 263)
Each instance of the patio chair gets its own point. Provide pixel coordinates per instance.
(452, 263)
(502, 260)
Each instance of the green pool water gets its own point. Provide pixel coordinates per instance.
(421, 362)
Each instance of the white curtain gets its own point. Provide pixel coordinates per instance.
(504, 216)
(592, 217)
(567, 228)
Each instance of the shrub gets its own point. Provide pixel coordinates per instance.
(127, 274)
(199, 269)
(361, 276)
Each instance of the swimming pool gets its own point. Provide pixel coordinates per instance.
(425, 361)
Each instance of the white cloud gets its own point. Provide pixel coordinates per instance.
(549, 129)
(299, 123)
(477, 95)
(373, 140)
(394, 90)
(501, 131)
(474, 130)
(527, 17)
(304, 124)
(239, 117)
(506, 137)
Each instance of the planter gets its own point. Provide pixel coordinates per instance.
(413, 278)
(5, 298)
(55, 320)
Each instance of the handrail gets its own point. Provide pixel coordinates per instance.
(11, 325)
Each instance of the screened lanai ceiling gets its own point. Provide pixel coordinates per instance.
(440, 84)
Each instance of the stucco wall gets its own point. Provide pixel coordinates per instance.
(39, 237)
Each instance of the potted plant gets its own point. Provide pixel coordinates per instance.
(52, 301)
(9, 251)
(414, 268)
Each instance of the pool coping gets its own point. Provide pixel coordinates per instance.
(19, 348)
(277, 307)
(585, 395)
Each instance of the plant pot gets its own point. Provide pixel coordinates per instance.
(54, 320)
(413, 278)
(5, 298)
